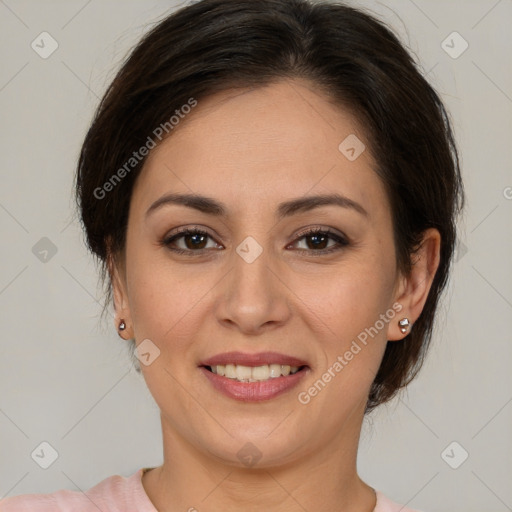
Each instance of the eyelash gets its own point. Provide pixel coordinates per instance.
(341, 241)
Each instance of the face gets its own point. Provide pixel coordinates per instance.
(253, 280)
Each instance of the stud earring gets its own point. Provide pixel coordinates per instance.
(122, 325)
(404, 325)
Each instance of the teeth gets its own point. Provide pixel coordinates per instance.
(260, 372)
(275, 370)
(254, 374)
(229, 371)
(243, 372)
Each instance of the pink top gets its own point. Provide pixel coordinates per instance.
(118, 494)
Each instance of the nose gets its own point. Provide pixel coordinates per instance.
(253, 298)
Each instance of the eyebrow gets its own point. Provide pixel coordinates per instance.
(211, 206)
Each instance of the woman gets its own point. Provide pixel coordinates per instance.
(272, 188)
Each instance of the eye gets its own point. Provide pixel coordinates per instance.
(194, 240)
(319, 240)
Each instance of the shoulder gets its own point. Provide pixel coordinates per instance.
(112, 494)
(384, 504)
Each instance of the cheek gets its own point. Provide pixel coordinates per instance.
(163, 299)
(349, 355)
(351, 298)
(352, 309)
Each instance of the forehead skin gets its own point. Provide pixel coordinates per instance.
(256, 148)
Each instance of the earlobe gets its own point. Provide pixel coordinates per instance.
(122, 319)
(415, 287)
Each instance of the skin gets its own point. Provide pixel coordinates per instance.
(251, 150)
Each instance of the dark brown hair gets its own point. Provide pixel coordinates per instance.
(352, 57)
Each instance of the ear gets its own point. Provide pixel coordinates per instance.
(412, 290)
(121, 305)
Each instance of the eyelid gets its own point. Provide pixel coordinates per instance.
(313, 229)
(303, 232)
(186, 229)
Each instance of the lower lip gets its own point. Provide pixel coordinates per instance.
(253, 391)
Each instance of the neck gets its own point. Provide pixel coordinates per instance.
(321, 480)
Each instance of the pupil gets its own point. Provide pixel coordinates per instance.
(316, 238)
(196, 236)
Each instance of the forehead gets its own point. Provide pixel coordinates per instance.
(273, 142)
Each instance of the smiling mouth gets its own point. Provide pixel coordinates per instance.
(261, 373)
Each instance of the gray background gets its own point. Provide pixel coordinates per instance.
(66, 378)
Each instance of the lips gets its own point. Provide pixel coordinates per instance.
(265, 387)
(259, 359)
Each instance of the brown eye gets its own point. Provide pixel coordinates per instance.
(317, 241)
(192, 240)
